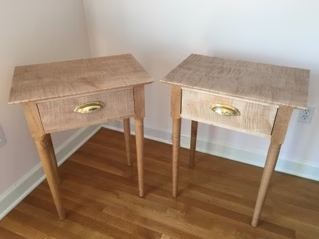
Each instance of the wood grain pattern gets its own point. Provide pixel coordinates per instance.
(59, 114)
(75, 77)
(242, 79)
(254, 118)
(99, 195)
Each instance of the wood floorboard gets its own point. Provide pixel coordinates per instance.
(9, 234)
(33, 206)
(215, 200)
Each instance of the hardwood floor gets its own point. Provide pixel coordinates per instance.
(216, 199)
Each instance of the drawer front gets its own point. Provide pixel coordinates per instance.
(254, 118)
(59, 114)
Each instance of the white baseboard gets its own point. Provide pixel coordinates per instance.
(256, 158)
(15, 194)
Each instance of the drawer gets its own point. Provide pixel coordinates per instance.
(60, 115)
(254, 118)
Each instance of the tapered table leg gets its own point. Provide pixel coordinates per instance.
(139, 134)
(127, 135)
(193, 143)
(277, 139)
(269, 168)
(53, 158)
(44, 146)
(176, 146)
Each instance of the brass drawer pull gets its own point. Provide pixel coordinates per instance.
(225, 110)
(89, 107)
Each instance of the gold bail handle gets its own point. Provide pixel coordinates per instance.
(225, 110)
(89, 107)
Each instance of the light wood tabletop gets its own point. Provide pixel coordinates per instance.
(75, 77)
(242, 79)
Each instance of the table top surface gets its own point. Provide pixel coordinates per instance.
(241, 79)
(75, 77)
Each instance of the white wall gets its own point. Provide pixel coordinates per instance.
(33, 31)
(161, 33)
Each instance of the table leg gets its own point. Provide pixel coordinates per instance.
(127, 135)
(139, 134)
(277, 139)
(193, 143)
(53, 158)
(176, 146)
(271, 161)
(44, 146)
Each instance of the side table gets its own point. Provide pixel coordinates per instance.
(245, 96)
(71, 94)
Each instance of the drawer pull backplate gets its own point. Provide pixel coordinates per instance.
(225, 110)
(89, 107)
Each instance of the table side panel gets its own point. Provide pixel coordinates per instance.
(59, 114)
(254, 118)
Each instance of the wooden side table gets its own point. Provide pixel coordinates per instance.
(71, 94)
(244, 96)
